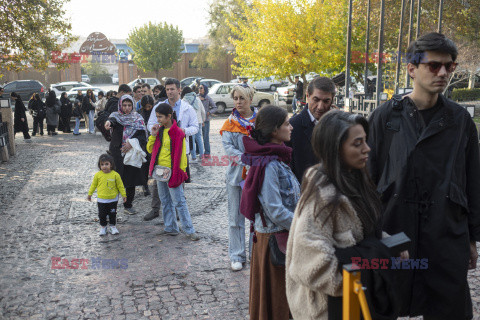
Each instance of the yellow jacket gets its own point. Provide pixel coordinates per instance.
(108, 185)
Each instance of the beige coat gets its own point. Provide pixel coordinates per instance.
(311, 266)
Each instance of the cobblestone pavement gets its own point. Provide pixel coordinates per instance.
(44, 214)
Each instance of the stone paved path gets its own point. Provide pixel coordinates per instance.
(44, 215)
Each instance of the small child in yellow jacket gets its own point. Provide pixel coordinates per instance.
(108, 184)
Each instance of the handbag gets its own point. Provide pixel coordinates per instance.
(278, 247)
(161, 173)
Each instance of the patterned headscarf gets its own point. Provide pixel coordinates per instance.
(131, 122)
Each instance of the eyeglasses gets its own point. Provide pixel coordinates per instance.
(435, 66)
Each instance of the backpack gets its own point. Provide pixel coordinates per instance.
(102, 117)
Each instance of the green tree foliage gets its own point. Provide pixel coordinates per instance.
(219, 32)
(156, 46)
(30, 31)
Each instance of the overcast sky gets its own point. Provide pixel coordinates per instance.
(116, 18)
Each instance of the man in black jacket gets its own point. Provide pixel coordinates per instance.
(297, 93)
(320, 93)
(425, 162)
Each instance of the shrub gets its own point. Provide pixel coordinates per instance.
(100, 78)
(466, 94)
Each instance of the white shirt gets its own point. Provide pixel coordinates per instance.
(186, 119)
(312, 117)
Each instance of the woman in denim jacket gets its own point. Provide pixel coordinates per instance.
(238, 125)
(269, 197)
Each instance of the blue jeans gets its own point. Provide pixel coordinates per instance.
(77, 126)
(91, 124)
(173, 198)
(206, 136)
(294, 104)
(197, 141)
(236, 225)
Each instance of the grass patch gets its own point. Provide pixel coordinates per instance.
(476, 120)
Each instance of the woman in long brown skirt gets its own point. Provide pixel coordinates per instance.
(272, 189)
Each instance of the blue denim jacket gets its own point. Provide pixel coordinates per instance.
(278, 197)
(233, 145)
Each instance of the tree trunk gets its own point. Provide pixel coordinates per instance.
(471, 80)
(157, 75)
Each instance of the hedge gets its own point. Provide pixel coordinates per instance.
(466, 94)
(101, 78)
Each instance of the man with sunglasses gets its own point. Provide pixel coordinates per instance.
(425, 162)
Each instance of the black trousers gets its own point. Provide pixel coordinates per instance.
(51, 128)
(107, 209)
(64, 124)
(24, 130)
(38, 124)
(130, 196)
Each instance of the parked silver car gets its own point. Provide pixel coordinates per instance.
(67, 86)
(220, 94)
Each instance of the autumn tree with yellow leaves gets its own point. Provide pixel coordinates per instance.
(282, 38)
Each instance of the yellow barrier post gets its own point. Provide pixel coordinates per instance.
(354, 298)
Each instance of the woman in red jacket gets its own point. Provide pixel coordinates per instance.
(168, 165)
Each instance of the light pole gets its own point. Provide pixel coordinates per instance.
(440, 16)
(410, 31)
(399, 48)
(349, 51)
(418, 18)
(367, 44)
(380, 52)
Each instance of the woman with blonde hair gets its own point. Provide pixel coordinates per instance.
(238, 125)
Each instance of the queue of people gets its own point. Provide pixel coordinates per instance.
(413, 167)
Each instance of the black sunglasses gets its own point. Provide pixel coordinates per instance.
(435, 66)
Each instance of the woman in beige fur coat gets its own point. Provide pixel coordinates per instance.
(338, 208)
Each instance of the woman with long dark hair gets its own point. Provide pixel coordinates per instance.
(39, 112)
(338, 208)
(88, 107)
(53, 109)
(269, 197)
(65, 113)
(20, 123)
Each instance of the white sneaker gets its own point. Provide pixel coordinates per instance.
(103, 231)
(193, 161)
(114, 230)
(237, 266)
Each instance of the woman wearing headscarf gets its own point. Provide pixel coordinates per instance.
(20, 123)
(127, 126)
(38, 109)
(210, 108)
(65, 113)
(53, 109)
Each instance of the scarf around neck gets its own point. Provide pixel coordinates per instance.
(131, 122)
(258, 156)
(237, 123)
